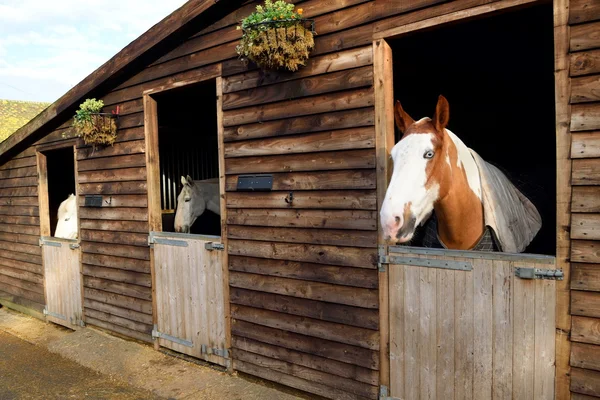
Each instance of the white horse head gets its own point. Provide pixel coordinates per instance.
(66, 227)
(195, 197)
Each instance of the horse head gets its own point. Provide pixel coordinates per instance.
(429, 164)
(66, 226)
(190, 205)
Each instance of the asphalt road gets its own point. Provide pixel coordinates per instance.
(32, 372)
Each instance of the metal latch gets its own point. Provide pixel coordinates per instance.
(210, 246)
(539, 273)
(212, 350)
(53, 314)
(424, 262)
(74, 246)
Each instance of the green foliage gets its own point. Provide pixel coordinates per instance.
(274, 37)
(94, 127)
(14, 114)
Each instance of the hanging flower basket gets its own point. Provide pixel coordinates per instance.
(96, 128)
(276, 37)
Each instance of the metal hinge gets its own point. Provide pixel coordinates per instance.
(74, 246)
(53, 314)
(384, 393)
(44, 242)
(152, 240)
(539, 273)
(156, 334)
(212, 350)
(210, 246)
(424, 262)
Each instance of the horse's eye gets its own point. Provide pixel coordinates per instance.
(187, 199)
(428, 154)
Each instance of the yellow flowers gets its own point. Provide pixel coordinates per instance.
(299, 11)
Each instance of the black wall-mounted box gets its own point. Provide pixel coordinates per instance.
(255, 183)
(93, 200)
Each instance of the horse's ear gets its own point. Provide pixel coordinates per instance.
(403, 120)
(190, 181)
(183, 180)
(442, 114)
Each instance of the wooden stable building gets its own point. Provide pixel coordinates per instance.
(304, 293)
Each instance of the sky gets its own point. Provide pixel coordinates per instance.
(49, 46)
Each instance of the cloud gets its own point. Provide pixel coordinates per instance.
(57, 44)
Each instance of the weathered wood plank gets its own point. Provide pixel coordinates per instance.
(145, 337)
(22, 275)
(19, 201)
(116, 162)
(21, 248)
(135, 278)
(330, 180)
(341, 386)
(334, 160)
(347, 295)
(118, 311)
(586, 304)
(585, 251)
(344, 139)
(118, 149)
(311, 236)
(18, 173)
(585, 117)
(136, 291)
(585, 381)
(117, 300)
(19, 238)
(138, 187)
(332, 312)
(585, 226)
(345, 370)
(117, 250)
(305, 124)
(317, 85)
(586, 171)
(365, 338)
(307, 344)
(583, 11)
(585, 36)
(585, 89)
(585, 356)
(585, 145)
(20, 229)
(355, 277)
(293, 108)
(116, 226)
(22, 284)
(585, 277)
(19, 163)
(24, 211)
(586, 199)
(585, 63)
(314, 66)
(22, 265)
(19, 192)
(113, 213)
(133, 239)
(113, 175)
(586, 330)
(8, 253)
(129, 264)
(325, 219)
(347, 200)
(330, 255)
(20, 292)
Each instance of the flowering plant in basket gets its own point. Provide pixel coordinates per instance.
(95, 127)
(276, 36)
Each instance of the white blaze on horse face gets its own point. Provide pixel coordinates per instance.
(408, 196)
(189, 208)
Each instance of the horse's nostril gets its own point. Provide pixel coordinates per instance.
(397, 219)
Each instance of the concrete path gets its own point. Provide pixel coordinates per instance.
(45, 361)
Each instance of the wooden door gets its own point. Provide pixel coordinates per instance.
(62, 280)
(190, 299)
(463, 325)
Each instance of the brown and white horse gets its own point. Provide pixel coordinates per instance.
(435, 171)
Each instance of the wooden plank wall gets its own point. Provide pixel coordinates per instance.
(303, 280)
(21, 274)
(584, 71)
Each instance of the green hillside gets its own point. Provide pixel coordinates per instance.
(14, 114)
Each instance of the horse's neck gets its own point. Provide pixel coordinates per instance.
(460, 211)
(209, 191)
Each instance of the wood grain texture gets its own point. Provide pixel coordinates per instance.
(322, 199)
(585, 277)
(585, 145)
(585, 36)
(326, 219)
(585, 117)
(586, 330)
(583, 11)
(585, 89)
(329, 180)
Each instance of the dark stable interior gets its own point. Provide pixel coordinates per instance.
(188, 145)
(498, 76)
(60, 166)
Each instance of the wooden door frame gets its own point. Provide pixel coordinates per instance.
(153, 177)
(384, 123)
